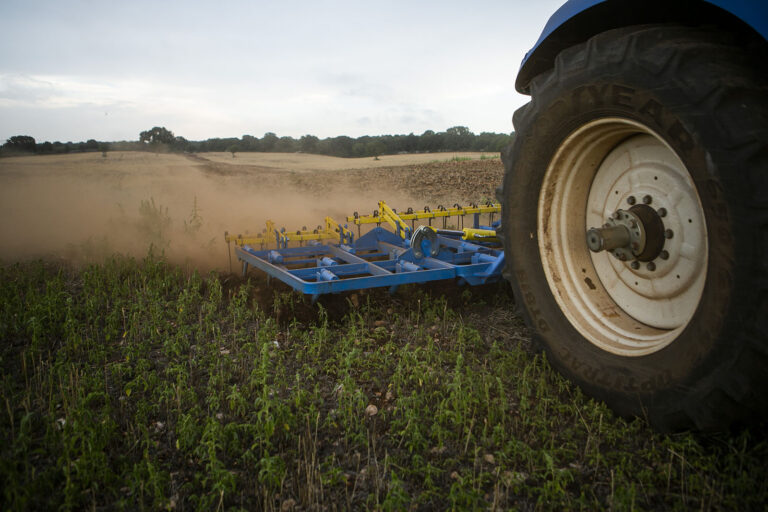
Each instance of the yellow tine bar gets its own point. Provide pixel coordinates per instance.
(293, 236)
(422, 214)
(243, 240)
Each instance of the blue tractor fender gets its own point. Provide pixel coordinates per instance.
(578, 20)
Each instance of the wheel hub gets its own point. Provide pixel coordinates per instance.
(632, 235)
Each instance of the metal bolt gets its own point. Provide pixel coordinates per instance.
(631, 200)
(647, 199)
(635, 265)
(662, 212)
(623, 257)
(632, 224)
(651, 266)
(664, 255)
(669, 233)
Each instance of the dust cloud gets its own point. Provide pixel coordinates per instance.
(84, 208)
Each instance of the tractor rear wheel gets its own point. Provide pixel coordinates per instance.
(641, 262)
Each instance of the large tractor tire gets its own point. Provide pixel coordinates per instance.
(656, 137)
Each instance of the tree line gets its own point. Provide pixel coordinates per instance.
(160, 139)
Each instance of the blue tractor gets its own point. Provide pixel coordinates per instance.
(641, 262)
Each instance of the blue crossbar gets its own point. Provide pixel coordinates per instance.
(377, 259)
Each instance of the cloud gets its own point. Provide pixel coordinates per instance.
(23, 90)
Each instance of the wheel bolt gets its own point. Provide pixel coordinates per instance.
(651, 266)
(635, 265)
(669, 233)
(662, 212)
(631, 200)
(647, 199)
(664, 255)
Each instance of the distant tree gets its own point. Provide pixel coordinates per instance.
(234, 148)
(20, 144)
(358, 149)
(431, 141)
(286, 145)
(180, 144)
(268, 141)
(411, 142)
(458, 138)
(308, 143)
(103, 147)
(157, 138)
(341, 146)
(250, 143)
(375, 148)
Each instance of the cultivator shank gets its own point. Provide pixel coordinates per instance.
(332, 259)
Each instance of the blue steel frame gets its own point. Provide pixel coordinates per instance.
(377, 259)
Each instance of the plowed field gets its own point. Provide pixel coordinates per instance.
(84, 207)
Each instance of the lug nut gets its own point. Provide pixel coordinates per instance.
(669, 233)
(647, 199)
(664, 255)
(635, 265)
(631, 200)
(651, 266)
(662, 212)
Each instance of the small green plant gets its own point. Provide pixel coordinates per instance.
(154, 222)
(195, 221)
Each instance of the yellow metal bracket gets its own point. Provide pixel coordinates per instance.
(394, 220)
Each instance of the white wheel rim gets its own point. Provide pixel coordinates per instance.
(625, 311)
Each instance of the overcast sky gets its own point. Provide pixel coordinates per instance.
(106, 70)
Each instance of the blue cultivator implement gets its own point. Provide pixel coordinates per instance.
(332, 259)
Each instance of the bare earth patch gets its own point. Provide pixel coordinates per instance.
(309, 162)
